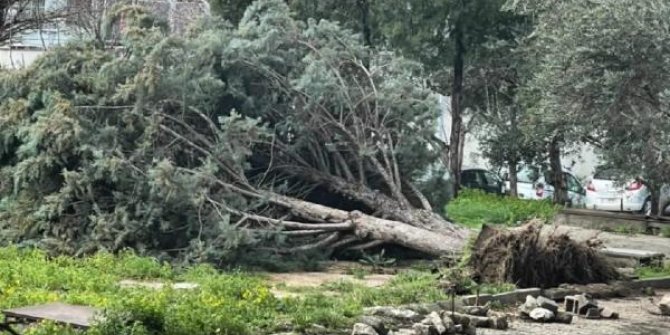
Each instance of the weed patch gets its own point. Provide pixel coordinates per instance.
(473, 208)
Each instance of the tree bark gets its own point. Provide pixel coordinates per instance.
(364, 6)
(374, 228)
(513, 161)
(560, 189)
(513, 179)
(456, 117)
(383, 205)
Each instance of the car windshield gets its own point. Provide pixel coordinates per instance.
(528, 175)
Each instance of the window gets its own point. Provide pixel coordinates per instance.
(469, 179)
(528, 175)
(491, 179)
(573, 183)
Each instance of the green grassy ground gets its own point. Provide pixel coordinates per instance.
(225, 302)
(474, 208)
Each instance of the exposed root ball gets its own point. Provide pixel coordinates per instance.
(529, 259)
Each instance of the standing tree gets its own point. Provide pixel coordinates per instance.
(602, 72)
(447, 37)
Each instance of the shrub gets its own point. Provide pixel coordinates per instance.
(473, 208)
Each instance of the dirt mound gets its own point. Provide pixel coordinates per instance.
(529, 259)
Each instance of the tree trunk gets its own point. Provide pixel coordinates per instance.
(383, 205)
(513, 190)
(513, 160)
(560, 190)
(456, 117)
(374, 228)
(655, 195)
(364, 7)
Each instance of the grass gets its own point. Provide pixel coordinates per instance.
(225, 303)
(665, 232)
(653, 271)
(474, 208)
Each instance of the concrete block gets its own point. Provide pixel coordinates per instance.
(657, 283)
(547, 304)
(516, 296)
(469, 300)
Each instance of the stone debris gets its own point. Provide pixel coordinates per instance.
(394, 313)
(402, 321)
(543, 309)
(435, 320)
(585, 306)
(541, 315)
(363, 329)
(377, 323)
(664, 305)
(547, 303)
(607, 313)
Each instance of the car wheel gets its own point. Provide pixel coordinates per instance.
(666, 210)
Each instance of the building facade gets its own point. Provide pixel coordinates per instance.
(22, 50)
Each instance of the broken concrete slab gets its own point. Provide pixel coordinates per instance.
(638, 257)
(593, 313)
(516, 296)
(547, 304)
(378, 323)
(529, 305)
(434, 319)
(579, 304)
(541, 315)
(363, 329)
(657, 283)
(395, 313)
(470, 300)
(422, 329)
(563, 317)
(607, 313)
(664, 305)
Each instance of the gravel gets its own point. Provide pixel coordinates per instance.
(634, 320)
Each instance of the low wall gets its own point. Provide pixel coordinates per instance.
(18, 58)
(602, 220)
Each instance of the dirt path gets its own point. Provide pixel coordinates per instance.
(315, 279)
(641, 242)
(635, 320)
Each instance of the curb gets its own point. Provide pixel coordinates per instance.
(519, 295)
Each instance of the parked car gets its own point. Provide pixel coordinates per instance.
(535, 184)
(482, 179)
(603, 192)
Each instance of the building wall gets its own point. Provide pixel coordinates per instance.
(18, 58)
(581, 160)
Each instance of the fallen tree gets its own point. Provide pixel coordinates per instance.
(527, 257)
(269, 137)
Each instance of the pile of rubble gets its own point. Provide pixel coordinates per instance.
(587, 307)
(542, 309)
(404, 321)
(663, 307)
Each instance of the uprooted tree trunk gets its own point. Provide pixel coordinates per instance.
(529, 258)
(334, 228)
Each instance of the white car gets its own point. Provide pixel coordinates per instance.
(531, 184)
(604, 193)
